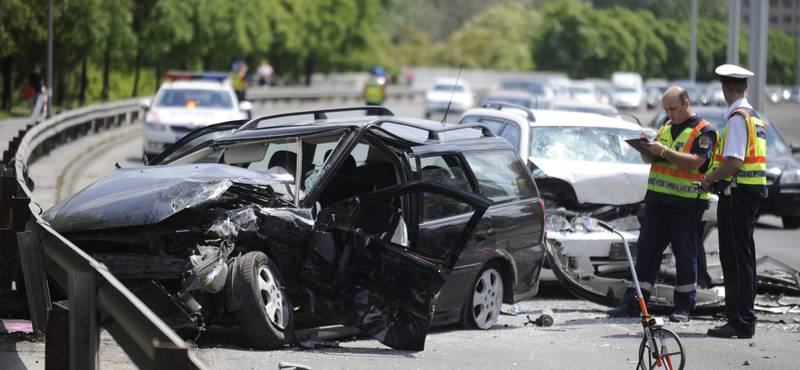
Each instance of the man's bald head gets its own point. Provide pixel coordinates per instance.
(676, 104)
(677, 92)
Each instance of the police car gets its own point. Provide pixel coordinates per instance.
(188, 101)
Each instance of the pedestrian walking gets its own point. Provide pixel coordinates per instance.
(739, 176)
(265, 74)
(674, 206)
(33, 87)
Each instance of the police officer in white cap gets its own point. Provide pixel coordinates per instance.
(739, 177)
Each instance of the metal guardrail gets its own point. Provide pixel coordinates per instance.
(96, 298)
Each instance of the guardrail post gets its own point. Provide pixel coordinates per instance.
(56, 348)
(30, 252)
(169, 356)
(84, 328)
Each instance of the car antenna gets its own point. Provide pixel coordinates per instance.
(452, 94)
(535, 92)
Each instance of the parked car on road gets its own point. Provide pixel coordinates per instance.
(375, 223)
(189, 101)
(516, 97)
(448, 92)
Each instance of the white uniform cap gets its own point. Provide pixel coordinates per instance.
(734, 71)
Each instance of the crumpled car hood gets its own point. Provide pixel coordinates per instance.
(148, 195)
(600, 183)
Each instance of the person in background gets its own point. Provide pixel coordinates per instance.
(238, 77)
(266, 74)
(374, 88)
(33, 87)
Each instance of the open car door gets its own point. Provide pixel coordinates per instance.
(201, 137)
(379, 284)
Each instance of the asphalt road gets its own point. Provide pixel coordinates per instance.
(583, 337)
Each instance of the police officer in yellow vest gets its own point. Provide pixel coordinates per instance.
(739, 176)
(374, 88)
(674, 204)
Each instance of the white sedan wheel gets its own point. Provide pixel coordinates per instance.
(487, 299)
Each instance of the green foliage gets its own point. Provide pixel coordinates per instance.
(781, 58)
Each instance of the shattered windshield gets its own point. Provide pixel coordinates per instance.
(584, 144)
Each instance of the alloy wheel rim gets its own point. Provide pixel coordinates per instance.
(272, 296)
(487, 299)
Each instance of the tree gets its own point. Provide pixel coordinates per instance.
(498, 38)
(781, 58)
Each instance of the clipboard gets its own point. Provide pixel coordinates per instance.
(637, 144)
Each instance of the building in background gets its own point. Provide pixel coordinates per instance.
(782, 15)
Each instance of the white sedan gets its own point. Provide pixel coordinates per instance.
(584, 170)
(183, 105)
(448, 91)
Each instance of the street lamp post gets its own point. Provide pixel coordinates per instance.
(50, 58)
(757, 56)
(733, 31)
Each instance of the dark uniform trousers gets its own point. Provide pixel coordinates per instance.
(662, 225)
(736, 217)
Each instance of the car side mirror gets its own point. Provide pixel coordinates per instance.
(145, 103)
(245, 105)
(795, 148)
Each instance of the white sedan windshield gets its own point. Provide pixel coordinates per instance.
(179, 98)
(584, 144)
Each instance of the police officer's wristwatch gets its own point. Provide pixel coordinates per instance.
(704, 180)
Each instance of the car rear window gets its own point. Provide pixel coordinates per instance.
(501, 176)
(195, 98)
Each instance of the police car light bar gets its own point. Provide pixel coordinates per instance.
(186, 75)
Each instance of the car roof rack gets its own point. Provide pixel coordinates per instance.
(318, 114)
(500, 106)
(433, 132)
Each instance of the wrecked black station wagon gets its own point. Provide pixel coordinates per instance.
(372, 222)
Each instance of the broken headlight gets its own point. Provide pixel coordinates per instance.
(557, 223)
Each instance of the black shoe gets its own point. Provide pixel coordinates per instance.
(623, 311)
(679, 316)
(728, 331)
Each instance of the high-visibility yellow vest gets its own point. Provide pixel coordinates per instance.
(373, 92)
(668, 178)
(754, 170)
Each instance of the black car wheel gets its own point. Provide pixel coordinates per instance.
(266, 318)
(791, 222)
(482, 308)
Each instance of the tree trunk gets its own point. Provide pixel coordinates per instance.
(158, 76)
(84, 83)
(60, 88)
(309, 69)
(7, 85)
(137, 67)
(106, 71)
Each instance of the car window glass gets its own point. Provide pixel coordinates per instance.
(281, 157)
(493, 125)
(446, 170)
(212, 158)
(500, 175)
(384, 220)
(584, 144)
(195, 98)
(775, 144)
(470, 119)
(511, 134)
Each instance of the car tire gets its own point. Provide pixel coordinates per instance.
(791, 222)
(482, 308)
(266, 317)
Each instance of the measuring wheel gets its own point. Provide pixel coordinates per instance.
(669, 348)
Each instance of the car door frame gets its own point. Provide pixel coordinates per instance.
(404, 323)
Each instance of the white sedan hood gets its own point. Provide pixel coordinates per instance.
(600, 183)
(195, 117)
